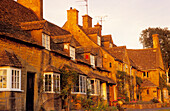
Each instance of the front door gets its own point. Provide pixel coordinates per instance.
(30, 92)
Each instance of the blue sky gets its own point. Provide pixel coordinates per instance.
(125, 18)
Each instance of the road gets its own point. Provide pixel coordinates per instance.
(154, 109)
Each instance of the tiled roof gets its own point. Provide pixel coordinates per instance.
(146, 83)
(54, 29)
(104, 78)
(16, 32)
(48, 27)
(34, 25)
(66, 39)
(92, 30)
(51, 68)
(105, 38)
(118, 52)
(88, 49)
(72, 68)
(11, 11)
(144, 58)
(9, 59)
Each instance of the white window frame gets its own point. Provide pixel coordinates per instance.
(96, 86)
(82, 85)
(52, 82)
(46, 41)
(99, 40)
(16, 79)
(110, 45)
(72, 53)
(92, 60)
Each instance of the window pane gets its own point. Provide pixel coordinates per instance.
(3, 78)
(92, 86)
(54, 83)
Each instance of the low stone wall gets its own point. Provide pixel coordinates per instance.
(142, 106)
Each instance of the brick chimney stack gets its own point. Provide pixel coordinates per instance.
(72, 16)
(35, 5)
(87, 21)
(155, 41)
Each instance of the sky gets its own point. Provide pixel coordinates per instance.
(123, 19)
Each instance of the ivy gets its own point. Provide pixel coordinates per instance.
(122, 80)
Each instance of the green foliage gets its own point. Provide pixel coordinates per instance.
(139, 80)
(162, 81)
(122, 80)
(68, 79)
(164, 38)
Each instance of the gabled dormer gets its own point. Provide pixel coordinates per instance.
(107, 42)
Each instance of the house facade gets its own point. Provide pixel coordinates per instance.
(33, 52)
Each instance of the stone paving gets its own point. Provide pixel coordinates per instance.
(154, 109)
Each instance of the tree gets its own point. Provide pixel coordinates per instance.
(164, 40)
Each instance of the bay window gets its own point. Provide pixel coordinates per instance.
(10, 79)
(94, 86)
(51, 82)
(80, 85)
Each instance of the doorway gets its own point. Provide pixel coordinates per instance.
(30, 92)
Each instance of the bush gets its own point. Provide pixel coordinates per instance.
(154, 100)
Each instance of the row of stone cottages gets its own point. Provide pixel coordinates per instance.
(33, 52)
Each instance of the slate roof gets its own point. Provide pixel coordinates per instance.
(144, 59)
(146, 83)
(9, 59)
(11, 11)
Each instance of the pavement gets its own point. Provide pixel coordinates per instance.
(154, 109)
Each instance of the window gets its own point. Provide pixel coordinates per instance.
(110, 45)
(46, 41)
(110, 64)
(10, 79)
(51, 82)
(94, 86)
(3, 78)
(92, 61)
(98, 40)
(147, 91)
(80, 86)
(72, 53)
(145, 74)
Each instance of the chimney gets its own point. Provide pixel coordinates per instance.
(35, 5)
(155, 39)
(99, 28)
(87, 21)
(72, 16)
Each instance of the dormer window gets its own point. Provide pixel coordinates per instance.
(92, 60)
(110, 45)
(46, 41)
(98, 40)
(72, 53)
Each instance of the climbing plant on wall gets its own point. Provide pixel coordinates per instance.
(122, 80)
